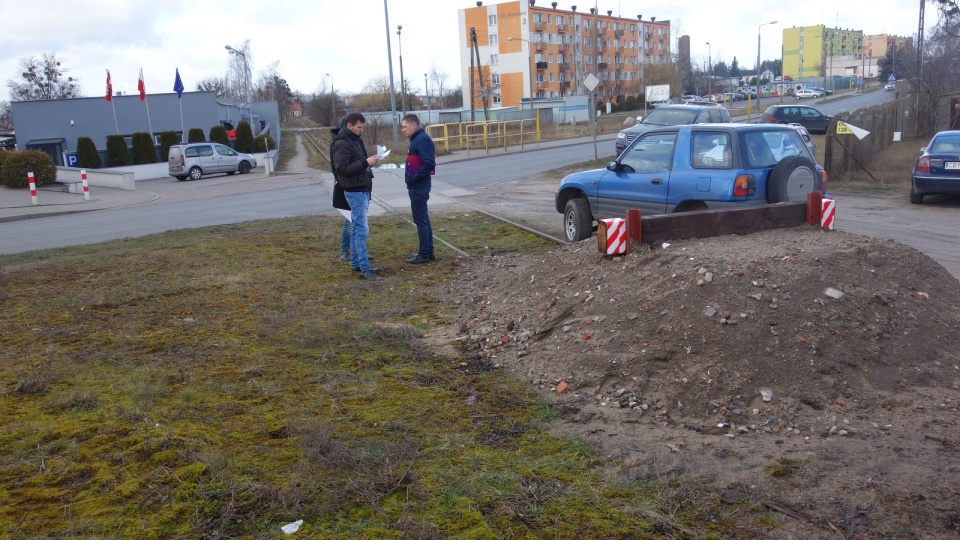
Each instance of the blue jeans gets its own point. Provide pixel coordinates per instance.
(419, 196)
(359, 202)
(345, 237)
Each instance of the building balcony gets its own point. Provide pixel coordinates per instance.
(540, 46)
(564, 66)
(561, 28)
(602, 66)
(618, 33)
(564, 47)
(564, 85)
(538, 26)
(541, 66)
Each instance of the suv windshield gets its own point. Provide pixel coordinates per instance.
(670, 117)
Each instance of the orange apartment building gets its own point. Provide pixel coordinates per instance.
(546, 52)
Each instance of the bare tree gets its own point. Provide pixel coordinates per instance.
(272, 87)
(6, 116)
(43, 78)
(941, 67)
(213, 84)
(439, 79)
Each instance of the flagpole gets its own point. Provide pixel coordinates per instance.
(182, 131)
(178, 88)
(109, 97)
(147, 103)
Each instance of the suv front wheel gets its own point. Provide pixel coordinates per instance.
(577, 220)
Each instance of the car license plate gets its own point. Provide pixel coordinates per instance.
(952, 165)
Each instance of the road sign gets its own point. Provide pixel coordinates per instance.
(591, 82)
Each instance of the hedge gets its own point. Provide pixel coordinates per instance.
(219, 134)
(265, 143)
(167, 139)
(87, 155)
(144, 150)
(245, 141)
(196, 135)
(16, 165)
(117, 153)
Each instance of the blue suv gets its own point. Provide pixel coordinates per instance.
(692, 167)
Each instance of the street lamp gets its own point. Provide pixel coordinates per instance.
(530, 67)
(393, 93)
(403, 87)
(426, 91)
(333, 103)
(758, 54)
(246, 75)
(709, 70)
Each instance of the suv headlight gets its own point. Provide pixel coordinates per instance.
(621, 135)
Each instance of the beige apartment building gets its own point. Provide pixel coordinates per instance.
(545, 51)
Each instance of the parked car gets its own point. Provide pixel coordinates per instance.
(729, 97)
(821, 91)
(196, 160)
(692, 167)
(938, 169)
(890, 87)
(661, 103)
(672, 115)
(805, 93)
(807, 116)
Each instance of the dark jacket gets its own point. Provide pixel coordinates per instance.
(421, 159)
(339, 200)
(349, 157)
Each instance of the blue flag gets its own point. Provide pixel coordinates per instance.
(178, 85)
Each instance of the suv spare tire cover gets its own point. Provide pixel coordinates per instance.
(791, 180)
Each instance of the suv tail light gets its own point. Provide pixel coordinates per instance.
(924, 164)
(823, 181)
(183, 162)
(744, 186)
(773, 119)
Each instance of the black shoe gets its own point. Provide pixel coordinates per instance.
(371, 275)
(420, 259)
(372, 269)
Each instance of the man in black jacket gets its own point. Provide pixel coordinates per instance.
(352, 167)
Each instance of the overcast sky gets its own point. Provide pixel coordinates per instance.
(348, 39)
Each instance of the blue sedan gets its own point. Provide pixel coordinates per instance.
(938, 169)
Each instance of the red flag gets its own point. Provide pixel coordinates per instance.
(143, 91)
(109, 96)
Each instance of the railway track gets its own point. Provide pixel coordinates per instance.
(313, 136)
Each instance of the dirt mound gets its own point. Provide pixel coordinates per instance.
(801, 345)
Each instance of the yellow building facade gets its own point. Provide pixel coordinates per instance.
(525, 51)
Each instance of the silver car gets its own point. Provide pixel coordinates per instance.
(195, 160)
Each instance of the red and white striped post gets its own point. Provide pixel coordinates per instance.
(86, 187)
(33, 188)
(612, 236)
(828, 214)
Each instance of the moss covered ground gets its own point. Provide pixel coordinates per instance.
(221, 382)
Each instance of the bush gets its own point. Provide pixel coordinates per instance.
(117, 153)
(167, 139)
(17, 164)
(244, 141)
(219, 134)
(265, 143)
(196, 135)
(4, 155)
(87, 155)
(144, 151)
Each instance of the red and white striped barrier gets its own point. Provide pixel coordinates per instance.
(612, 236)
(828, 211)
(33, 188)
(86, 187)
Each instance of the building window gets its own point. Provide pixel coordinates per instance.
(538, 17)
(494, 59)
(492, 20)
(496, 99)
(494, 39)
(495, 78)
(551, 77)
(539, 77)
(586, 23)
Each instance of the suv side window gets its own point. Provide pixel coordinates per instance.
(711, 150)
(224, 151)
(651, 154)
(192, 151)
(205, 151)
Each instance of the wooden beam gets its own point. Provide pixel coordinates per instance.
(708, 223)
